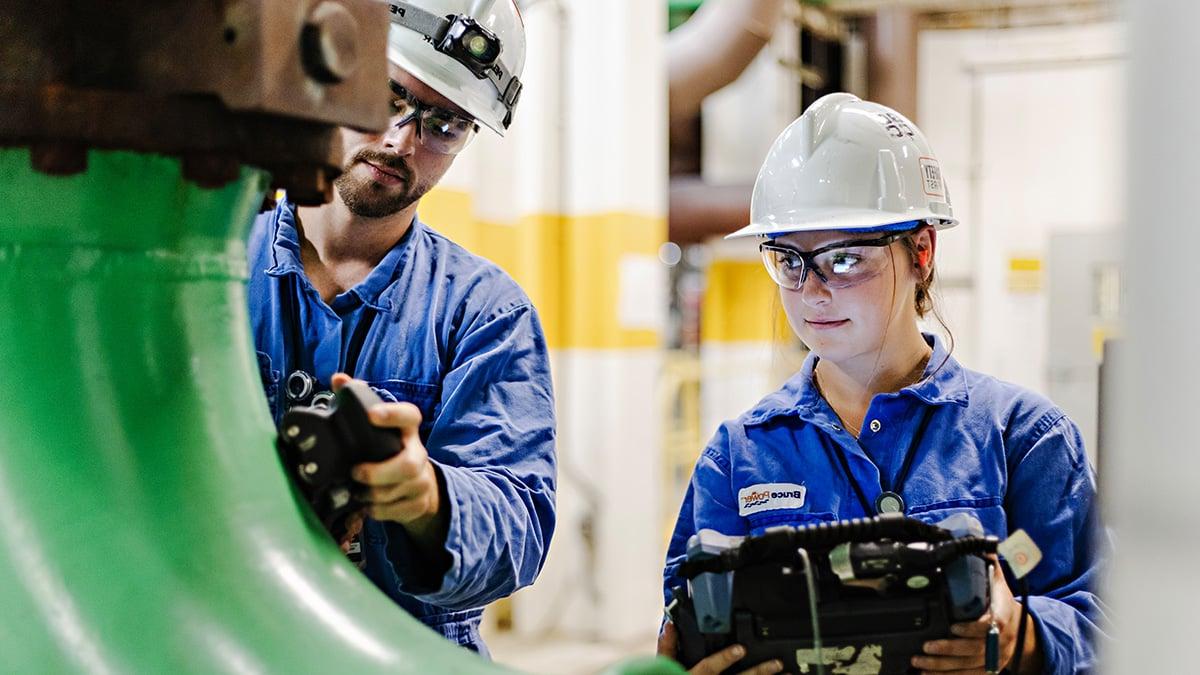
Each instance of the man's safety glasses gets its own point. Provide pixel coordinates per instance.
(438, 130)
(839, 265)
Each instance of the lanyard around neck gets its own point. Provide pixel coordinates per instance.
(905, 467)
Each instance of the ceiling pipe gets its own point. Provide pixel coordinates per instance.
(708, 52)
(698, 211)
(714, 47)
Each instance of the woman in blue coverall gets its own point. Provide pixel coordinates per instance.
(881, 417)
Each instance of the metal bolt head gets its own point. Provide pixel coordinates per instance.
(292, 431)
(311, 468)
(339, 498)
(329, 43)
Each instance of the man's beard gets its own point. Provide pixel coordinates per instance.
(368, 199)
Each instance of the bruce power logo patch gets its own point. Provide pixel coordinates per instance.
(770, 497)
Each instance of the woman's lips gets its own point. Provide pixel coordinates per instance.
(826, 325)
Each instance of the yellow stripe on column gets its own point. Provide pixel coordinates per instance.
(570, 266)
(741, 304)
(451, 213)
(595, 248)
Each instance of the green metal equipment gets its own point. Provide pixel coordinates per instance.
(145, 523)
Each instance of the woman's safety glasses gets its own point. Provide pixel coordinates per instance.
(438, 130)
(839, 265)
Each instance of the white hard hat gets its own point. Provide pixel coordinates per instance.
(470, 51)
(848, 164)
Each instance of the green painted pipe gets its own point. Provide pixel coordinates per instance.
(145, 522)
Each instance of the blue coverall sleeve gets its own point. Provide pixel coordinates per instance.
(708, 503)
(1052, 496)
(493, 442)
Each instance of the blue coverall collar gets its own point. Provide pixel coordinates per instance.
(372, 291)
(944, 383)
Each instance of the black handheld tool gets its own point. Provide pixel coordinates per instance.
(320, 445)
(858, 596)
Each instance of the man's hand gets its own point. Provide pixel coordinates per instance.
(403, 489)
(964, 654)
(353, 528)
(714, 664)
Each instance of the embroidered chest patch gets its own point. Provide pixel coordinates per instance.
(770, 497)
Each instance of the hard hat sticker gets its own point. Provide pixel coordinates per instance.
(896, 125)
(931, 178)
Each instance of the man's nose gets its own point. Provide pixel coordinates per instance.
(401, 138)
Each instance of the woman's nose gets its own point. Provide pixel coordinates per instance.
(813, 292)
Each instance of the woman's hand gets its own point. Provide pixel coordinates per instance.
(963, 654)
(668, 645)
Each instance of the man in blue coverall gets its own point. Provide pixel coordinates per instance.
(361, 288)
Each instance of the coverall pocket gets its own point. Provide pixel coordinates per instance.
(988, 511)
(424, 396)
(788, 517)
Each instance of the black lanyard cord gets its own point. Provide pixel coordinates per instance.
(909, 457)
(862, 498)
(357, 340)
(912, 450)
(295, 353)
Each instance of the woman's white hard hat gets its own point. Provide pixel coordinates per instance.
(848, 164)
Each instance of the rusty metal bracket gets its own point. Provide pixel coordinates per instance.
(218, 83)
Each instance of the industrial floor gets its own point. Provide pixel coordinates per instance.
(551, 655)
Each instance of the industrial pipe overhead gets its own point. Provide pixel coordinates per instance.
(713, 48)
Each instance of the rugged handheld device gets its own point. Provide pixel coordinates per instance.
(319, 445)
(858, 596)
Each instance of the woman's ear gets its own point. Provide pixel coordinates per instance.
(925, 243)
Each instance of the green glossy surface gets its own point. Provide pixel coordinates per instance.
(145, 523)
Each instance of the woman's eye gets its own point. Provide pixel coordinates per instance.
(843, 263)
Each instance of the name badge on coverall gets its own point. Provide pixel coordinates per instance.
(770, 497)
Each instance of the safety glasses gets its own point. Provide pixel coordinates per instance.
(839, 265)
(438, 129)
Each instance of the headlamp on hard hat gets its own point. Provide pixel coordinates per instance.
(463, 39)
(471, 45)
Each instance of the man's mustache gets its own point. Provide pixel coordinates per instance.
(394, 163)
